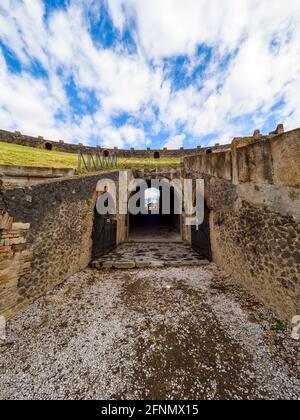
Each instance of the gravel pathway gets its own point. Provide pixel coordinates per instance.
(172, 333)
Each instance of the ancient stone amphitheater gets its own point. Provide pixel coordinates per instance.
(55, 248)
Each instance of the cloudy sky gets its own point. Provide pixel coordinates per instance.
(138, 73)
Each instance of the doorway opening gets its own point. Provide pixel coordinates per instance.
(104, 233)
(48, 146)
(156, 155)
(201, 236)
(154, 225)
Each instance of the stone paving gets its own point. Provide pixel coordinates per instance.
(147, 255)
(152, 233)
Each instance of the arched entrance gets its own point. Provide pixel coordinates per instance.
(156, 155)
(154, 225)
(48, 146)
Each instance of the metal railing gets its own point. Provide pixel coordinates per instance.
(91, 162)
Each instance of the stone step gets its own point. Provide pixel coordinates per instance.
(127, 265)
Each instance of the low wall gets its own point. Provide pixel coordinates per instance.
(27, 175)
(41, 143)
(45, 237)
(61, 146)
(215, 164)
(254, 202)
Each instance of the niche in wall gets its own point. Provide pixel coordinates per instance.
(48, 146)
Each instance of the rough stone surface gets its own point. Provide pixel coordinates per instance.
(142, 255)
(262, 250)
(148, 334)
(124, 265)
(56, 243)
(254, 215)
(106, 265)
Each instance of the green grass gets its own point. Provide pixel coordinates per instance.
(12, 154)
(279, 326)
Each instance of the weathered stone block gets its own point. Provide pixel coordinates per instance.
(21, 226)
(17, 241)
(107, 265)
(201, 263)
(125, 265)
(143, 264)
(6, 221)
(157, 264)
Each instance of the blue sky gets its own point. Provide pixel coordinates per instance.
(149, 73)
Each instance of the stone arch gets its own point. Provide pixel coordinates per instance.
(209, 151)
(156, 155)
(48, 146)
(106, 153)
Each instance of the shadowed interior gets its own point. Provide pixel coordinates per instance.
(156, 226)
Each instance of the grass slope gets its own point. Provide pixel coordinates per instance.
(12, 154)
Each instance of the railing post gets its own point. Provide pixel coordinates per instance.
(94, 162)
(89, 161)
(79, 161)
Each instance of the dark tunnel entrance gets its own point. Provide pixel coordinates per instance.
(154, 226)
(201, 236)
(104, 233)
(48, 146)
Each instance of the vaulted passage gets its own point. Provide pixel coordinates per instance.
(155, 226)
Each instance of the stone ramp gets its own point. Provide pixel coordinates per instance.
(150, 255)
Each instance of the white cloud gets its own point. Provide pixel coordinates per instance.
(122, 137)
(116, 10)
(257, 77)
(22, 28)
(175, 142)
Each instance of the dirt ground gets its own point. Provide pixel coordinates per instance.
(172, 333)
